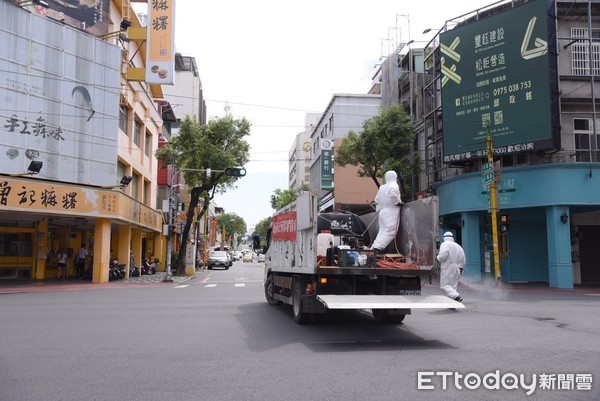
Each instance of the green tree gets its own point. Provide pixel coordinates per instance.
(385, 143)
(233, 224)
(283, 197)
(217, 145)
(262, 227)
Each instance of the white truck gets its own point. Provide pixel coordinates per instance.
(321, 261)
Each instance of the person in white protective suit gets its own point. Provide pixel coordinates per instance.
(452, 262)
(388, 202)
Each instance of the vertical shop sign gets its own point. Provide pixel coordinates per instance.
(326, 164)
(160, 56)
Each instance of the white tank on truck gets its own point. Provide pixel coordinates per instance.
(317, 262)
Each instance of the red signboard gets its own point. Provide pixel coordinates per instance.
(284, 226)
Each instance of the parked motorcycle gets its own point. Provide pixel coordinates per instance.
(149, 268)
(116, 270)
(134, 271)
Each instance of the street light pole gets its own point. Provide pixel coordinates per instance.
(168, 277)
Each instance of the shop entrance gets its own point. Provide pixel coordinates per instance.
(589, 252)
(16, 254)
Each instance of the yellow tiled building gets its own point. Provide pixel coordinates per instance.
(76, 112)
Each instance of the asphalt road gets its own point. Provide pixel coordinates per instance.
(215, 338)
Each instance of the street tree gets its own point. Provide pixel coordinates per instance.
(262, 227)
(385, 143)
(218, 145)
(283, 197)
(231, 224)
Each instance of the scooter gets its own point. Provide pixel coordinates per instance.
(149, 268)
(134, 271)
(112, 270)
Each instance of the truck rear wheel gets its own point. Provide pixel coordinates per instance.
(300, 316)
(383, 316)
(270, 291)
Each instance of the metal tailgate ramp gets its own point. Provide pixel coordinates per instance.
(388, 302)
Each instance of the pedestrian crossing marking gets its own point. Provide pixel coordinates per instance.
(213, 285)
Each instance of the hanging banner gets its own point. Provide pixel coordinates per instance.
(160, 42)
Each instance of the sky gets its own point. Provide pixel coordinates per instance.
(274, 61)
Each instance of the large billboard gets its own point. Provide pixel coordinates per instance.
(88, 15)
(499, 78)
(60, 100)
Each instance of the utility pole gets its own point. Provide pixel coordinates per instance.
(168, 278)
(494, 209)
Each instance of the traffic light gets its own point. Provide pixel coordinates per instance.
(256, 242)
(235, 171)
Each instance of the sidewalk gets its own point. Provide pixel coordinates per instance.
(72, 284)
(519, 287)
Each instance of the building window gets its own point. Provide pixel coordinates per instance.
(507, 161)
(148, 144)
(586, 143)
(135, 179)
(522, 160)
(121, 170)
(123, 113)
(146, 200)
(515, 160)
(136, 132)
(580, 51)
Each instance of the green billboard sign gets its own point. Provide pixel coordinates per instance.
(326, 168)
(499, 78)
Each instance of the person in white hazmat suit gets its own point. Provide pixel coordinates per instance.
(388, 202)
(452, 262)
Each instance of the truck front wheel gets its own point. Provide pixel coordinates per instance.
(299, 315)
(270, 291)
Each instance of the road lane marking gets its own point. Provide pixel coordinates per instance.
(240, 284)
(210, 285)
(182, 286)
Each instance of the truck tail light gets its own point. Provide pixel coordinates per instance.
(310, 289)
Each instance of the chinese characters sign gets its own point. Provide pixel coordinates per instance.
(40, 197)
(496, 80)
(160, 56)
(326, 169)
(37, 127)
(284, 226)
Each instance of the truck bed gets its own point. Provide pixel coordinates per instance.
(333, 270)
